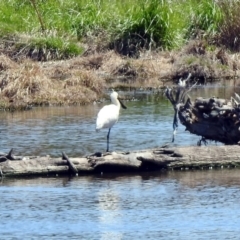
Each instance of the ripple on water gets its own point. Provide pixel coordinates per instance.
(146, 123)
(175, 205)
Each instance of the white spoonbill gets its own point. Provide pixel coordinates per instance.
(109, 115)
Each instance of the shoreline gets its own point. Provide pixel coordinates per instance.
(84, 79)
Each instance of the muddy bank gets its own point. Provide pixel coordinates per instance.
(81, 80)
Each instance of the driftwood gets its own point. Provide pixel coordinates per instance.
(213, 118)
(163, 158)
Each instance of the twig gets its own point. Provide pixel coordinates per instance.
(72, 167)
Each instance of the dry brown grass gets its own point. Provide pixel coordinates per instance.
(205, 65)
(147, 71)
(6, 63)
(33, 83)
(25, 83)
(83, 79)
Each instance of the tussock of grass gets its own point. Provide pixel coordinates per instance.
(46, 48)
(51, 48)
(6, 63)
(204, 18)
(203, 64)
(28, 84)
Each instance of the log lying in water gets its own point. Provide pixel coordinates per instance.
(194, 157)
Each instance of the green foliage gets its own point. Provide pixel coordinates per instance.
(15, 16)
(149, 24)
(47, 48)
(229, 28)
(128, 25)
(89, 19)
(205, 17)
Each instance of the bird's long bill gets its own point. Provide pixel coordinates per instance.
(122, 105)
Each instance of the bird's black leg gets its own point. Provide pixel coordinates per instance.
(108, 139)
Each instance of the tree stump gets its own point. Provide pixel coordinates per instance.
(212, 118)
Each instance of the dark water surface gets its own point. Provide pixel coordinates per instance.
(174, 205)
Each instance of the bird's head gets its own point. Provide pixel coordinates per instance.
(114, 98)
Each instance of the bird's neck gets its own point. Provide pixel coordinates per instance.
(116, 102)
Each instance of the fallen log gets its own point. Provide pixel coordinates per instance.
(159, 159)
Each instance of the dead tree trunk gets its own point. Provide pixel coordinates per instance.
(213, 118)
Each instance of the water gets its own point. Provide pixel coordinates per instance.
(172, 205)
(146, 123)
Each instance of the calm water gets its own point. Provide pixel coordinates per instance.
(173, 205)
(147, 123)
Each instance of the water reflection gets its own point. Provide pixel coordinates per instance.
(147, 123)
(109, 213)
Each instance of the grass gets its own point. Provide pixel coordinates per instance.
(124, 25)
(56, 29)
(205, 17)
(229, 34)
(48, 48)
(32, 84)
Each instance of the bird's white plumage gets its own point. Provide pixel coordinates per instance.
(107, 117)
(182, 83)
(109, 114)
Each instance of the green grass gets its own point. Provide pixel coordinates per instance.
(204, 16)
(140, 23)
(150, 23)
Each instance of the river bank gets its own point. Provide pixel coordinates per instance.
(84, 79)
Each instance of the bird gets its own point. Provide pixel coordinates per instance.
(109, 114)
(182, 83)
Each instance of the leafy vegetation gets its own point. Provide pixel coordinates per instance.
(229, 29)
(127, 26)
(205, 17)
